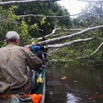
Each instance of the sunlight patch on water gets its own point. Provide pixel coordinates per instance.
(72, 98)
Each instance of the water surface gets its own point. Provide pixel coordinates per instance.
(74, 84)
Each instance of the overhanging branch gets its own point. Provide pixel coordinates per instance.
(37, 15)
(24, 1)
(69, 36)
(69, 43)
(55, 16)
(53, 32)
(97, 49)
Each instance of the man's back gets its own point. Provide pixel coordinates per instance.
(13, 62)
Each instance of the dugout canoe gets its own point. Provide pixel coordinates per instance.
(39, 88)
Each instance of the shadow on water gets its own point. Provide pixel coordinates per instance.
(74, 84)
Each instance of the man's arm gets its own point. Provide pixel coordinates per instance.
(33, 61)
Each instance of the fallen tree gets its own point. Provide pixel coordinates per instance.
(69, 43)
(52, 43)
(53, 40)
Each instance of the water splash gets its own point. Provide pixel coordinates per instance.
(72, 98)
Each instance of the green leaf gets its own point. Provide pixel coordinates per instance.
(43, 21)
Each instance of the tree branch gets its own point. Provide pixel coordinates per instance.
(62, 16)
(24, 1)
(97, 49)
(37, 15)
(11, 21)
(69, 43)
(52, 52)
(53, 32)
(69, 36)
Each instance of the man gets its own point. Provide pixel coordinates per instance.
(13, 64)
(40, 52)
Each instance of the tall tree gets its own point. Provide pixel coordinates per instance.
(92, 14)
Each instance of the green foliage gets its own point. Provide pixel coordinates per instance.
(34, 26)
(23, 31)
(43, 21)
(29, 27)
(10, 22)
(80, 52)
(7, 21)
(44, 25)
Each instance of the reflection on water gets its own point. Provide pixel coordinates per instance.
(83, 84)
(71, 98)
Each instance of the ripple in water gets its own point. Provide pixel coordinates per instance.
(72, 98)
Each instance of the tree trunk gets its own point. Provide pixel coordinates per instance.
(53, 40)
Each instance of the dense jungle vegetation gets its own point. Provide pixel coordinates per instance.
(17, 18)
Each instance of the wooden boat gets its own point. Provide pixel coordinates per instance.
(39, 88)
(43, 87)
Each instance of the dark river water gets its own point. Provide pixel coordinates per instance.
(74, 84)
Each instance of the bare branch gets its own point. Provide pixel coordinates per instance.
(25, 1)
(37, 15)
(11, 21)
(69, 43)
(57, 35)
(69, 36)
(53, 32)
(78, 29)
(86, 56)
(97, 49)
(51, 52)
(62, 16)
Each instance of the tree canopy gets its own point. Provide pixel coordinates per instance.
(32, 26)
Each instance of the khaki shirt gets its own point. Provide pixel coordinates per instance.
(13, 63)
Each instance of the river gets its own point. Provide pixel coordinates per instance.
(74, 84)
